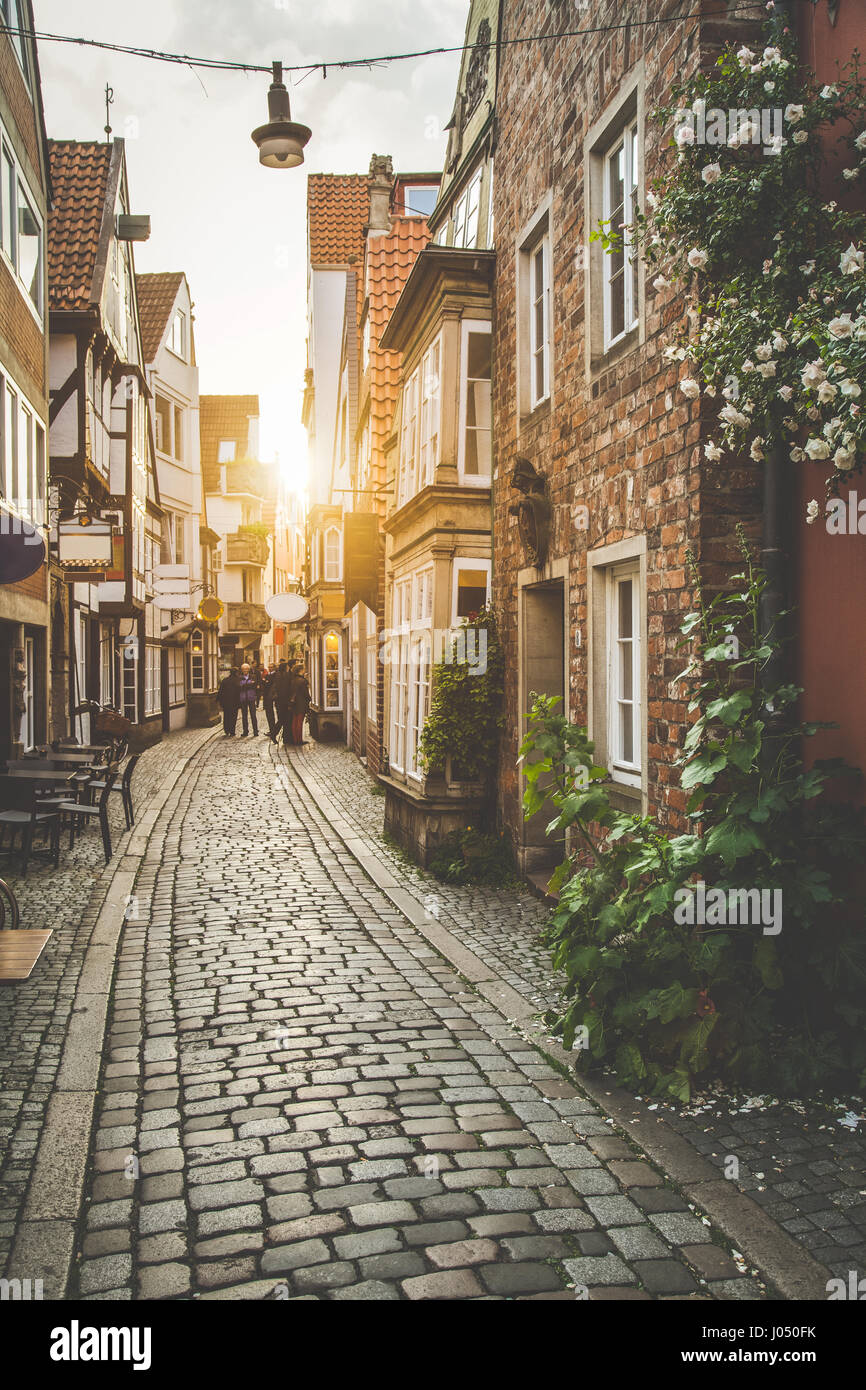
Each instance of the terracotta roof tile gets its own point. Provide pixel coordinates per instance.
(79, 179)
(338, 207)
(389, 261)
(224, 417)
(156, 296)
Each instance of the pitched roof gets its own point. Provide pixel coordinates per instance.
(79, 179)
(338, 207)
(156, 296)
(224, 417)
(389, 260)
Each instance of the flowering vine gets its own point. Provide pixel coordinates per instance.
(775, 329)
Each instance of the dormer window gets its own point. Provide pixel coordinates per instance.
(177, 335)
(227, 451)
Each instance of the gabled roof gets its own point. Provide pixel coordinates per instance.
(389, 262)
(224, 417)
(156, 296)
(79, 180)
(338, 208)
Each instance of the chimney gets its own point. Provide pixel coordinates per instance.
(381, 187)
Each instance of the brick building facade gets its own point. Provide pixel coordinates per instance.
(583, 398)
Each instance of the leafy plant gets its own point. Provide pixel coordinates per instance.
(662, 996)
(466, 714)
(472, 856)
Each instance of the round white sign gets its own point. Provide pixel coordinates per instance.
(287, 608)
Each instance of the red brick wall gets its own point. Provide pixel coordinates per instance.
(21, 337)
(628, 424)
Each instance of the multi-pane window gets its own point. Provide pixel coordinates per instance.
(21, 231)
(466, 213)
(356, 661)
(539, 322)
(152, 683)
(22, 455)
(620, 201)
(475, 413)
(624, 667)
(372, 661)
(430, 415)
(420, 430)
(332, 555)
(176, 688)
(331, 671)
(169, 426)
(177, 335)
(410, 664)
(14, 16)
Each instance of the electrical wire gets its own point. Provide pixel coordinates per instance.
(225, 65)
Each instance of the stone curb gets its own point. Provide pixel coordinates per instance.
(790, 1269)
(45, 1240)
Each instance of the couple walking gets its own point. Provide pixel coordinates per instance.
(285, 699)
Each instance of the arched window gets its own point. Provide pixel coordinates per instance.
(332, 554)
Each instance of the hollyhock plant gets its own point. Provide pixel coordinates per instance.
(776, 323)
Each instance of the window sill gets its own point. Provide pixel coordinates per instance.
(623, 347)
(538, 412)
(624, 797)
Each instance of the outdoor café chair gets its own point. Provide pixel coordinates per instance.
(19, 950)
(123, 786)
(22, 814)
(77, 813)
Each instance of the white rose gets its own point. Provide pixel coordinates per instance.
(851, 262)
(772, 55)
(797, 456)
(756, 450)
(808, 268)
(764, 351)
(779, 343)
(817, 449)
(711, 173)
(828, 92)
(651, 200)
(712, 451)
(710, 391)
(813, 373)
(800, 137)
(812, 512)
(684, 135)
(769, 86)
(860, 142)
(826, 392)
(690, 387)
(767, 369)
(841, 327)
(844, 459)
(850, 388)
(732, 416)
(850, 174)
(697, 259)
(793, 113)
(748, 365)
(660, 283)
(745, 56)
(786, 392)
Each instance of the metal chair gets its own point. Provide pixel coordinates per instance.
(124, 787)
(23, 814)
(77, 812)
(8, 907)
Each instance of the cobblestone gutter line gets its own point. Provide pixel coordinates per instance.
(781, 1260)
(45, 1238)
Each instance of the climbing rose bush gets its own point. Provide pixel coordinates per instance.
(774, 336)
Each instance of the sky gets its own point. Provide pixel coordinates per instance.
(237, 229)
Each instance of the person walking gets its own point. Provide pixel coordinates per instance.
(268, 703)
(248, 699)
(300, 704)
(282, 696)
(229, 699)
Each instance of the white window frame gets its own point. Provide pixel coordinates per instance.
(23, 461)
(607, 567)
(328, 576)
(197, 684)
(539, 341)
(331, 632)
(457, 567)
(467, 210)
(429, 429)
(627, 139)
(408, 439)
(630, 772)
(372, 638)
(10, 251)
(223, 446)
(178, 319)
(471, 326)
(398, 672)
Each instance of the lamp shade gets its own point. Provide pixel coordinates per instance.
(281, 141)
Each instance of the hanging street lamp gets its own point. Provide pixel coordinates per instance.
(281, 142)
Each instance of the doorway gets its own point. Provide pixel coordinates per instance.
(543, 644)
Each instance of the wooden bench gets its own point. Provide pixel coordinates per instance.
(19, 950)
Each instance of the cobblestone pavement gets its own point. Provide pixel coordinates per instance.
(34, 1014)
(301, 1098)
(799, 1163)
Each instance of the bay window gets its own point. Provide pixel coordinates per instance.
(474, 453)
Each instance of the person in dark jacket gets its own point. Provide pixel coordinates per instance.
(229, 699)
(281, 691)
(300, 704)
(268, 703)
(249, 700)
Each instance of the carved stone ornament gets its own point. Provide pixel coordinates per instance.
(532, 511)
(476, 73)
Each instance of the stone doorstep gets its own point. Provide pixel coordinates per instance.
(45, 1240)
(786, 1265)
